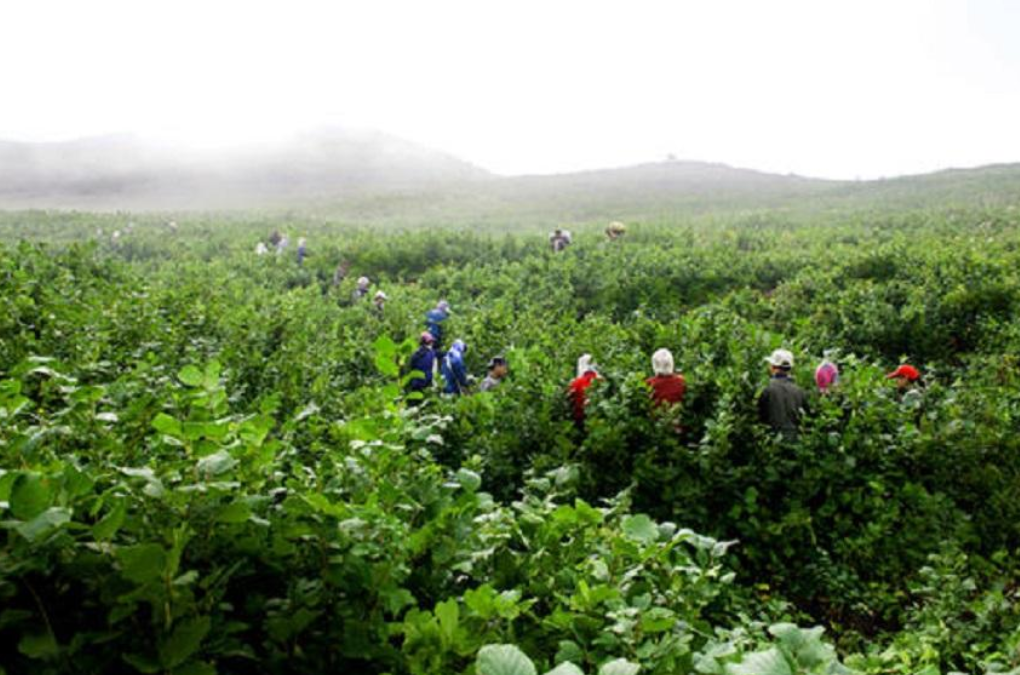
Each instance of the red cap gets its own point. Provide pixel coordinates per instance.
(909, 372)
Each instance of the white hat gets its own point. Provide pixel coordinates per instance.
(662, 362)
(380, 295)
(363, 282)
(780, 359)
(584, 364)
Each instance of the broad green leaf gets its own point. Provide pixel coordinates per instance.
(29, 496)
(386, 365)
(191, 376)
(143, 562)
(234, 512)
(619, 667)
(503, 660)
(165, 424)
(185, 640)
(38, 645)
(44, 523)
(195, 668)
(768, 662)
(469, 480)
(142, 663)
(565, 668)
(448, 614)
(215, 464)
(110, 523)
(640, 528)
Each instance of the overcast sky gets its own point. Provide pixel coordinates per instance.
(859, 88)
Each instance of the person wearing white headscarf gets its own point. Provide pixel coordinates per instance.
(668, 386)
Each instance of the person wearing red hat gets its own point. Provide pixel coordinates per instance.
(908, 379)
(905, 376)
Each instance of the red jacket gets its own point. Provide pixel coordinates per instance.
(577, 392)
(667, 389)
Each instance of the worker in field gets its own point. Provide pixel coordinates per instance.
(275, 238)
(361, 289)
(615, 230)
(826, 376)
(668, 386)
(454, 371)
(782, 404)
(577, 392)
(422, 360)
(908, 385)
(261, 249)
(559, 240)
(434, 320)
(379, 302)
(498, 369)
(340, 273)
(302, 250)
(282, 244)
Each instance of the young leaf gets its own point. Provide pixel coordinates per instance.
(184, 641)
(29, 496)
(503, 660)
(619, 667)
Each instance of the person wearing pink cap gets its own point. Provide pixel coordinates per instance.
(826, 376)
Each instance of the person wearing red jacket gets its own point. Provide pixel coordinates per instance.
(587, 373)
(668, 386)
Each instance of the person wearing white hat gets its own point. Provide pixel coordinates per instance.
(379, 300)
(782, 404)
(362, 289)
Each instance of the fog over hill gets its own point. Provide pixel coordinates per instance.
(372, 176)
(128, 172)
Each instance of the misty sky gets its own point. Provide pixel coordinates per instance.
(860, 88)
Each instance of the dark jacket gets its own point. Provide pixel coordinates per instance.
(422, 360)
(781, 405)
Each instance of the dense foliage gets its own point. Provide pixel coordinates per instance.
(207, 462)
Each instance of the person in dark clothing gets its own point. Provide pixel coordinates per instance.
(423, 360)
(434, 319)
(782, 404)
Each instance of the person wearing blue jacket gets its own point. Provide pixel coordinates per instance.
(423, 360)
(453, 369)
(434, 319)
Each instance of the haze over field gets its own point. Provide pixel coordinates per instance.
(831, 90)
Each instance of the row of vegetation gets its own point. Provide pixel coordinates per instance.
(207, 463)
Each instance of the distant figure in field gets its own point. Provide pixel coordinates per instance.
(434, 320)
(782, 404)
(261, 249)
(379, 301)
(361, 290)
(282, 244)
(497, 371)
(615, 230)
(826, 376)
(577, 392)
(454, 371)
(423, 360)
(340, 273)
(302, 250)
(908, 385)
(275, 238)
(668, 386)
(559, 240)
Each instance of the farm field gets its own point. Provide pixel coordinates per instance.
(210, 463)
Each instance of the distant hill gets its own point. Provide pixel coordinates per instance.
(126, 172)
(367, 176)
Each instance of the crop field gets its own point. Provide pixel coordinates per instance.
(210, 461)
